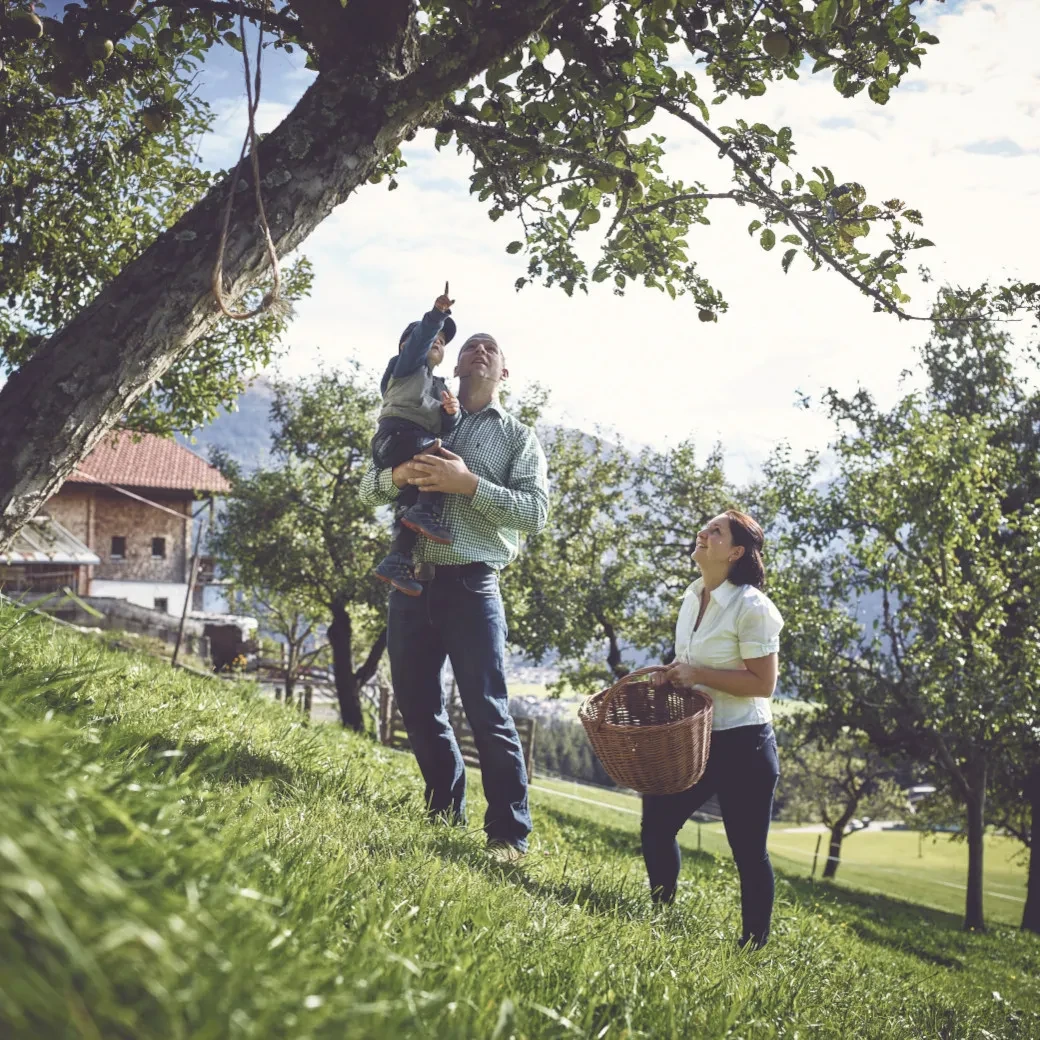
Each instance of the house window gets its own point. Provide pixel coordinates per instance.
(162, 604)
(118, 551)
(158, 548)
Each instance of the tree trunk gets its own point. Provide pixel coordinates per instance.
(341, 638)
(348, 682)
(830, 868)
(1031, 913)
(59, 404)
(614, 661)
(974, 918)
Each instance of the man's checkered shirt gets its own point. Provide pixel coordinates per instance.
(512, 496)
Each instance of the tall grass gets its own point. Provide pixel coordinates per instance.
(180, 858)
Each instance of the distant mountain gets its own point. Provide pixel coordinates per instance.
(243, 432)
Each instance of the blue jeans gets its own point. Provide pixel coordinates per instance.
(742, 770)
(460, 615)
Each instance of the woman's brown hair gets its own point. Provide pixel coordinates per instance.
(745, 532)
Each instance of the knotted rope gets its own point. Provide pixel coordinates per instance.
(248, 146)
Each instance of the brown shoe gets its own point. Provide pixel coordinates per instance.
(503, 853)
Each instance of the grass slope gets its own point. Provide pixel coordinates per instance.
(180, 858)
(871, 861)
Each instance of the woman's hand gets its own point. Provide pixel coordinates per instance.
(678, 674)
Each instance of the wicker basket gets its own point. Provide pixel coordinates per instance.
(652, 739)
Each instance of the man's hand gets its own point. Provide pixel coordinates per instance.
(450, 403)
(445, 472)
(442, 303)
(405, 473)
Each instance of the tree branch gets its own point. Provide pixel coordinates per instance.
(725, 148)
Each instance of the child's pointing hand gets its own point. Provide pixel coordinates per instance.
(442, 303)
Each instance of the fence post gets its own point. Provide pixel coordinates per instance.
(812, 873)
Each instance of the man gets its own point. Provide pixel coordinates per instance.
(496, 488)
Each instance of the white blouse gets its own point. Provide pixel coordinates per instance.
(739, 623)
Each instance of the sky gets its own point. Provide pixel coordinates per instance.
(959, 140)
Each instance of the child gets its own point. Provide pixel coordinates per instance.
(418, 410)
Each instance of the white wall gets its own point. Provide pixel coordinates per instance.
(143, 593)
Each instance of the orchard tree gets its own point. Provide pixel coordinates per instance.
(90, 174)
(1016, 811)
(291, 617)
(674, 497)
(920, 515)
(974, 370)
(300, 529)
(558, 127)
(601, 583)
(572, 589)
(832, 778)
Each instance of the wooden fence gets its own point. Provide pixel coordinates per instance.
(395, 735)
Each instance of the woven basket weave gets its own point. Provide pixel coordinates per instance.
(652, 739)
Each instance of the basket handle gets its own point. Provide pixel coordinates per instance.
(602, 700)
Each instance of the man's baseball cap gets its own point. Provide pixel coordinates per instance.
(447, 330)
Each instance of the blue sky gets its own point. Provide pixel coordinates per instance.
(960, 141)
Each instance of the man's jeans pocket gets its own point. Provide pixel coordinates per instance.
(481, 583)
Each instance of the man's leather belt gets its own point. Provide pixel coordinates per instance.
(428, 571)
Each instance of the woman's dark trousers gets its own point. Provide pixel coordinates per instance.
(742, 770)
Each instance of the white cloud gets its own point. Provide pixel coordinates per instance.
(959, 141)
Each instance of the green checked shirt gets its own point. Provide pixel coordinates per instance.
(512, 496)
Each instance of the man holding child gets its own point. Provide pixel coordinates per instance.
(495, 487)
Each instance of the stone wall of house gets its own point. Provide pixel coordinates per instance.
(138, 523)
(71, 508)
(116, 515)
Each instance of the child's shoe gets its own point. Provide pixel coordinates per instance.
(396, 569)
(427, 523)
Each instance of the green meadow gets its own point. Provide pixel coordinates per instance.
(180, 857)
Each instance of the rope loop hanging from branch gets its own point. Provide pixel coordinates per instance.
(249, 147)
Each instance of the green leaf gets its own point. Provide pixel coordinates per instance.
(539, 47)
(785, 263)
(817, 189)
(877, 93)
(768, 239)
(793, 240)
(514, 247)
(824, 15)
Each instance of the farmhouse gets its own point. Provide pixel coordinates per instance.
(120, 527)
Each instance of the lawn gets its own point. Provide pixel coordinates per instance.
(181, 858)
(872, 861)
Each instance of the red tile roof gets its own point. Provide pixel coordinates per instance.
(146, 461)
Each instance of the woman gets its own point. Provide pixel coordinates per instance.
(726, 644)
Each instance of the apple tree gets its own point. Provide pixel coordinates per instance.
(563, 106)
